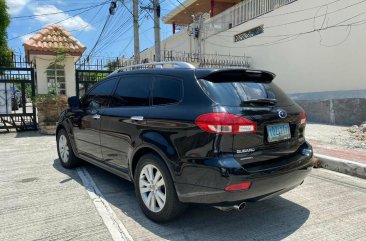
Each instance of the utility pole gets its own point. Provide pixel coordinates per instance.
(156, 6)
(136, 37)
(135, 13)
(198, 35)
(156, 9)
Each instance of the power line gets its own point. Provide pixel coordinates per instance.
(295, 36)
(113, 38)
(323, 15)
(100, 35)
(180, 3)
(92, 21)
(19, 36)
(297, 11)
(59, 12)
(113, 34)
(300, 20)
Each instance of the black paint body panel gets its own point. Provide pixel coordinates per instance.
(201, 163)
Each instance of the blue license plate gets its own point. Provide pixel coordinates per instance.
(278, 132)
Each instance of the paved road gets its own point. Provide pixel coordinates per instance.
(42, 201)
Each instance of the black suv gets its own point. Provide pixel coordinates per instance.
(221, 137)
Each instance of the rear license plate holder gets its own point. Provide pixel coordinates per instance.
(278, 132)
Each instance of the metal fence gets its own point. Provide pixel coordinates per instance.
(241, 13)
(88, 72)
(207, 60)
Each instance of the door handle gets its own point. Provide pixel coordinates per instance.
(96, 116)
(137, 118)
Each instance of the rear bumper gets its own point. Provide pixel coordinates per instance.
(206, 183)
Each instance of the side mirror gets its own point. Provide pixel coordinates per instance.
(74, 102)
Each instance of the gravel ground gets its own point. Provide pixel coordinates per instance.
(335, 135)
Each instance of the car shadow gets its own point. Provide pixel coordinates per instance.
(273, 219)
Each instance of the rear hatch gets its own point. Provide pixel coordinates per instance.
(252, 95)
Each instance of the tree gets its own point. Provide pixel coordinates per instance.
(5, 53)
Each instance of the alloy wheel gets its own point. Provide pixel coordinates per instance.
(63, 149)
(152, 188)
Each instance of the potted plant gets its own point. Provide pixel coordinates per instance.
(49, 106)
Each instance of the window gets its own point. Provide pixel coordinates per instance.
(98, 97)
(132, 91)
(56, 79)
(234, 93)
(166, 90)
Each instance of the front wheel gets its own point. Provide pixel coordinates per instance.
(65, 153)
(155, 190)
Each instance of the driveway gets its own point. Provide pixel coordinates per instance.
(42, 201)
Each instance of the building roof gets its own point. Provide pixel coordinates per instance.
(182, 14)
(50, 39)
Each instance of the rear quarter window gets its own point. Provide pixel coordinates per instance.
(166, 90)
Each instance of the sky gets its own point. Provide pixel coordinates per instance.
(84, 19)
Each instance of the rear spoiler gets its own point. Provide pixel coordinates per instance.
(239, 75)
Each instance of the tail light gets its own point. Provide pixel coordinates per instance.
(238, 186)
(302, 118)
(225, 123)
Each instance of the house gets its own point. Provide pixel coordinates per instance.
(54, 52)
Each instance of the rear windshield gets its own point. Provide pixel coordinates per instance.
(237, 93)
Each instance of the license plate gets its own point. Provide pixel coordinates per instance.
(278, 132)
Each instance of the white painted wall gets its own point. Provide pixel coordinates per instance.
(42, 63)
(329, 60)
(180, 42)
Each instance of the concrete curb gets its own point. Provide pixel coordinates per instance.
(341, 165)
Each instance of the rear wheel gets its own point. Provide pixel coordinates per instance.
(155, 190)
(65, 153)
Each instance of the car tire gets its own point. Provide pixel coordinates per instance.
(152, 191)
(65, 152)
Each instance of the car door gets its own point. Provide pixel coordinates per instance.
(124, 121)
(87, 132)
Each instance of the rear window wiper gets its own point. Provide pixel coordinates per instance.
(260, 101)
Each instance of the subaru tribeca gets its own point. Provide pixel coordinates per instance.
(221, 137)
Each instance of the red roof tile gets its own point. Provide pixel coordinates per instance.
(50, 39)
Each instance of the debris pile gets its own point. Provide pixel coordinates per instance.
(358, 132)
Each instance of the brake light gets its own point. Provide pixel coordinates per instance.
(302, 118)
(225, 123)
(238, 186)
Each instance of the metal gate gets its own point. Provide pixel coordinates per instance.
(17, 89)
(90, 72)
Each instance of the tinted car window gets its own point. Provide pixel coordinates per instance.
(166, 90)
(132, 91)
(98, 97)
(234, 93)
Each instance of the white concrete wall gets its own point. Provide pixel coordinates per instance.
(180, 42)
(70, 76)
(311, 62)
(42, 63)
(329, 60)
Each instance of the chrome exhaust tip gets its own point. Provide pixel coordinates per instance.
(240, 206)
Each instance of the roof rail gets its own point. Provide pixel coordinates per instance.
(152, 65)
